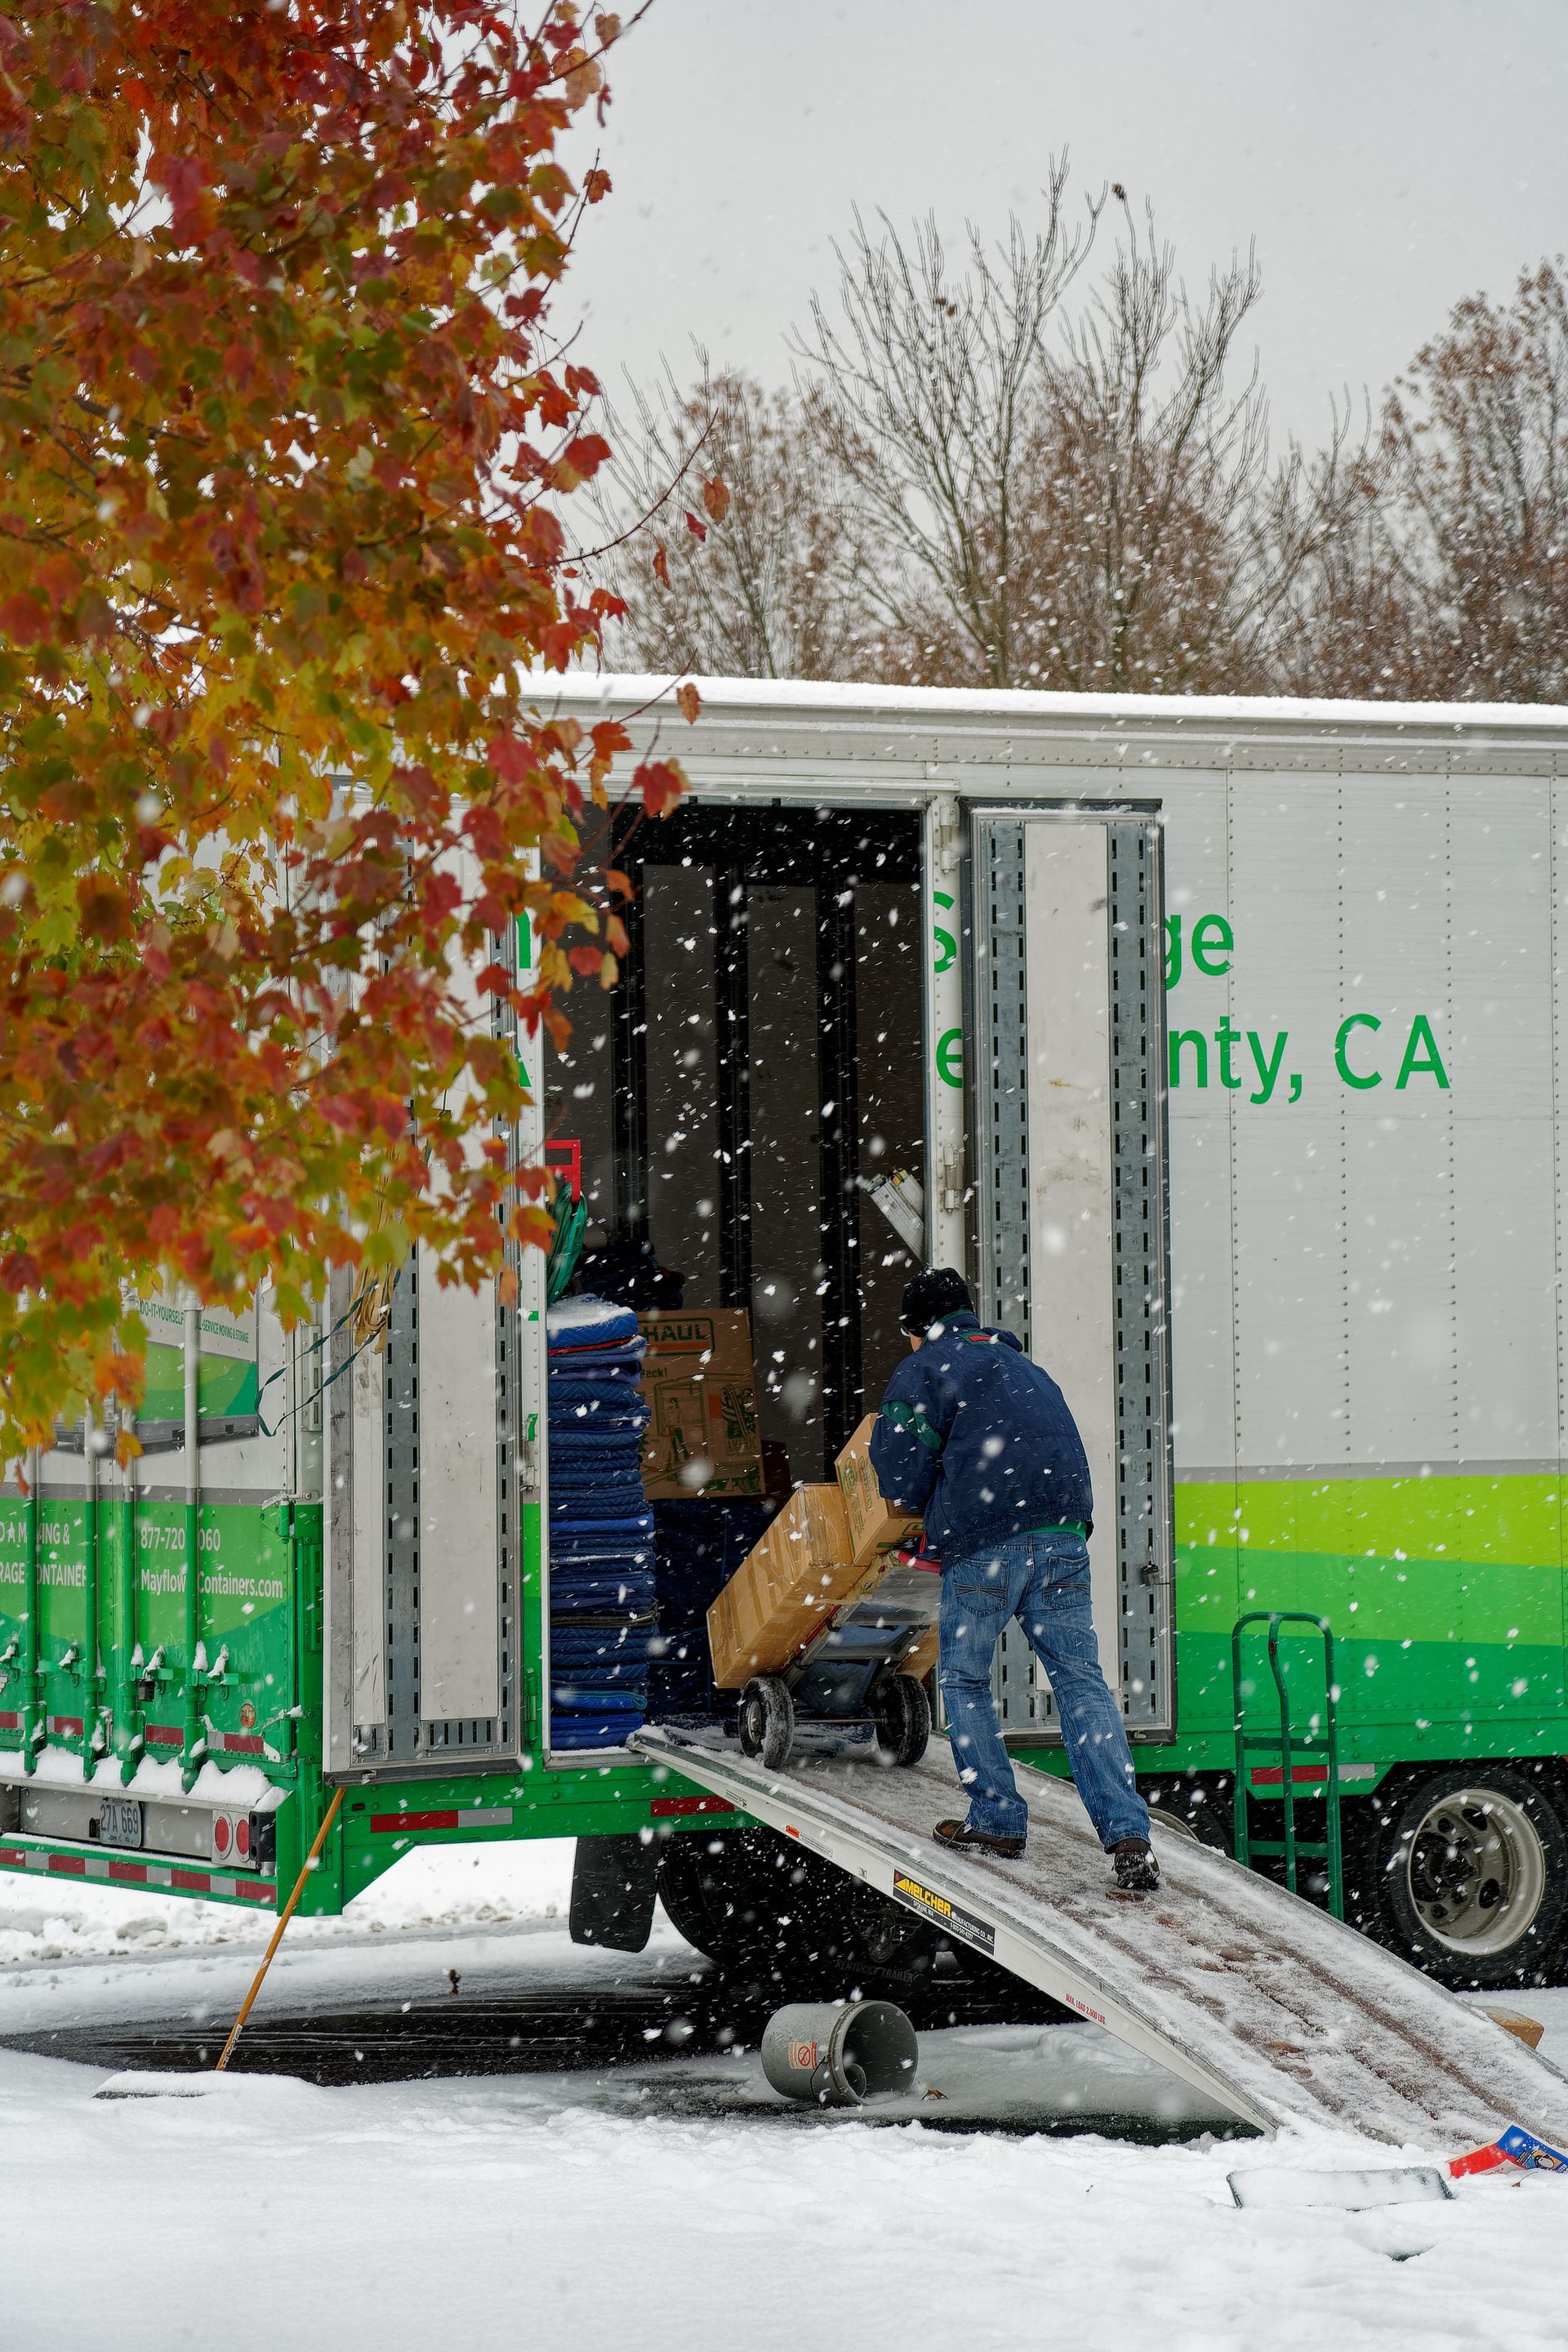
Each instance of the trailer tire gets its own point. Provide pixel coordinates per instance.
(1198, 1802)
(1472, 1868)
(696, 1897)
(775, 1916)
(902, 1712)
(767, 1722)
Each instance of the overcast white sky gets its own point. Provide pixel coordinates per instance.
(1387, 155)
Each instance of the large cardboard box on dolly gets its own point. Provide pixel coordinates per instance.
(873, 1524)
(789, 1584)
(701, 1388)
(877, 1528)
(785, 1587)
(922, 1660)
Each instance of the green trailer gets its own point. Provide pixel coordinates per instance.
(1222, 1043)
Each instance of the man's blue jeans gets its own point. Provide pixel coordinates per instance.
(1043, 1581)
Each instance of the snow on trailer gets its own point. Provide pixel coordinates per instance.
(1009, 945)
(1248, 1994)
(1366, 1006)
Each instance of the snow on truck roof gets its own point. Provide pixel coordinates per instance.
(1101, 728)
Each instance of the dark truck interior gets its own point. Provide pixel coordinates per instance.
(759, 1062)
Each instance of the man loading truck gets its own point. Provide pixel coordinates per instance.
(981, 1442)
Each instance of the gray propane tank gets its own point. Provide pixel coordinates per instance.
(839, 2053)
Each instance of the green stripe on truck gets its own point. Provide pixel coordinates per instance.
(1445, 1595)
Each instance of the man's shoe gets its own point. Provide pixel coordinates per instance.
(976, 1841)
(1137, 1872)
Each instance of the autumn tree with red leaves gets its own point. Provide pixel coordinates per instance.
(284, 441)
(1454, 586)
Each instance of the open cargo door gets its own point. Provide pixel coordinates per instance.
(1067, 1099)
(433, 1466)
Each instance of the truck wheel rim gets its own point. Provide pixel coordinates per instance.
(1477, 1872)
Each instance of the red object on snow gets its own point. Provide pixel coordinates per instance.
(1515, 2146)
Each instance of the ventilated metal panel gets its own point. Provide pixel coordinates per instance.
(398, 1734)
(462, 1629)
(423, 1536)
(1069, 1116)
(1001, 1080)
(1141, 1276)
(1195, 842)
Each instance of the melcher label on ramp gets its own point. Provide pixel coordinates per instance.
(943, 1913)
(1267, 2006)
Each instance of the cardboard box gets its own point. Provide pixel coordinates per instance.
(1528, 2030)
(700, 1387)
(784, 1588)
(873, 1524)
(922, 1662)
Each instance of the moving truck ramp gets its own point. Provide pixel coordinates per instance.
(1263, 2003)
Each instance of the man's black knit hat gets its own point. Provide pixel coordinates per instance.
(939, 1290)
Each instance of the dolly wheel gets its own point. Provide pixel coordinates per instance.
(767, 1722)
(901, 1713)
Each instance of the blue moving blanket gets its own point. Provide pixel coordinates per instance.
(603, 1592)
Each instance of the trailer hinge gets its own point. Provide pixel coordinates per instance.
(946, 834)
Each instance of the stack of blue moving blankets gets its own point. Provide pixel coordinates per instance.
(604, 1619)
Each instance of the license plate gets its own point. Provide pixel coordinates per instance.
(120, 1820)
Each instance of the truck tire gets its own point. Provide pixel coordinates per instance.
(767, 1722)
(771, 1914)
(1471, 1867)
(1198, 1802)
(763, 1907)
(698, 1897)
(902, 1712)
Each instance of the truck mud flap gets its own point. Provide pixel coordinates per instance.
(614, 1882)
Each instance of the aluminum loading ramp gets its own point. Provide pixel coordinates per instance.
(1263, 2003)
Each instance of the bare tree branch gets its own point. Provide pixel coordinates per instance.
(779, 586)
(1454, 586)
(924, 392)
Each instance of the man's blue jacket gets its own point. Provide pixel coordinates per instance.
(980, 1440)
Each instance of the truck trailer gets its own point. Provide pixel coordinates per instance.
(1219, 1041)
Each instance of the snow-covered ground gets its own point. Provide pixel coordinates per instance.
(455, 1885)
(671, 2205)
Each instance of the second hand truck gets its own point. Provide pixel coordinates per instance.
(851, 1686)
